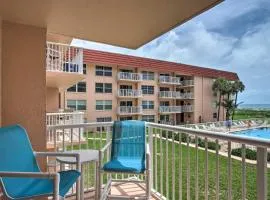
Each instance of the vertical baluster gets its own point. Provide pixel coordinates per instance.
(80, 142)
(63, 142)
(180, 166)
(71, 139)
(243, 172)
(161, 161)
(173, 166)
(217, 170)
(206, 169)
(188, 168)
(167, 166)
(196, 169)
(156, 165)
(229, 171)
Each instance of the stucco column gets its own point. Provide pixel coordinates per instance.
(24, 80)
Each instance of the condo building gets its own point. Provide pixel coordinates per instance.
(112, 86)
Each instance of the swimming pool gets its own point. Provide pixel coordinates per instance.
(263, 133)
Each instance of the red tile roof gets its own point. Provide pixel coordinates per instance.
(93, 56)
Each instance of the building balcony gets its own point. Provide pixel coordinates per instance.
(175, 175)
(129, 110)
(187, 108)
(128, 76)
(170, 109)
(64, 65)
(170, 80)
(188, 83)
(175, 95)
(126, 93)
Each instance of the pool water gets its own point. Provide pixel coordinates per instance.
(262, 133)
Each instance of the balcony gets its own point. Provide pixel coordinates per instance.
(126, 93)
(128, 76)
(175, 95)
(170, 109)
(187, 108)
(182, 169)
(129, 110)
(188, 83)
(64, 65)
(170, 80)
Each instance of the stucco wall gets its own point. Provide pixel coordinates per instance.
(24, 80)
(52, 99)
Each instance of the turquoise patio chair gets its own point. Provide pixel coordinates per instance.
(20, 175)
(129, 154)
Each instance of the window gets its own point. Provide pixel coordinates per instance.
(148, 118)
(147, 89)
(103, 88)
(84, 68)
(103, 104)
(147, 105)
(104, 119)
(125, 103)
(103, 71)
(79, 87)
(164, 103)
(125, 87)
(161, 89)
(125, 118)
(76, 104)
(150, 76)
(165, 118)
(214, 115)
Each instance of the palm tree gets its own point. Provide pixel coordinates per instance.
(238, 86)
(218, 88)
(228, 104)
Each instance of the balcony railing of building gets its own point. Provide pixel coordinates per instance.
(175, 95)
(176, 109)
(183, 165)
(129, 76)
(129, 110)
(64, 118)
(170, 80)
(188, 82)
(129, 93)
(64, 58)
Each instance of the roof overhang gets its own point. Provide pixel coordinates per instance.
(123, 23)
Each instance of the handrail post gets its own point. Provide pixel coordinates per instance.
(261, 173)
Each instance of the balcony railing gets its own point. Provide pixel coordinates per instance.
(184, 164)
(129, 110)
(175, 95)
(129, 93)
(64, 58)
(188, 82)
(128, 76)
(187, 108)
(64, 118)
(170, 80)
(170, 109)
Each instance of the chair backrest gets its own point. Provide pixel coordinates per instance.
(128, 139)
(16, 155)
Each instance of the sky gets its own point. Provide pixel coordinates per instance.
(233, 36)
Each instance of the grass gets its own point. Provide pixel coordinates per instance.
(249, 113)
(168, 175)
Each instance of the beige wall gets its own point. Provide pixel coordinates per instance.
(52, 99)
(205, 100)
(23, 80)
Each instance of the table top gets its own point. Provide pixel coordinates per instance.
(86, 155)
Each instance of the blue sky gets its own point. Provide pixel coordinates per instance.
(234, 36)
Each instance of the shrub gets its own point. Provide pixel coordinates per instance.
(211, 145)
(250, 154)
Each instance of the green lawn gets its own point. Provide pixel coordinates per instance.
(236, 172)
(248, 114)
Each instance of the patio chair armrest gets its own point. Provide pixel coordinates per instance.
(62, 154)
(43, 175)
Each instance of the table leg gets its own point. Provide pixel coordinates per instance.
(81, 184)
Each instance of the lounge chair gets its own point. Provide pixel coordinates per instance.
(20, 175)
(129, 155)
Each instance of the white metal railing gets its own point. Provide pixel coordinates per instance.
(62, 118)
(64, 58)
(129, 76)
(123, 110)
(188, 82)
(187, 108)
(170, 109)
(187, 163)
(175, 95)
(129, 93)
(170, 80)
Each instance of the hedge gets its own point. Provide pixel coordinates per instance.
(250, 154)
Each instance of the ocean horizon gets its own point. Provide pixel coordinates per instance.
(255, 106)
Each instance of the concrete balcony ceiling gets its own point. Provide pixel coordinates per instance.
(129, 23)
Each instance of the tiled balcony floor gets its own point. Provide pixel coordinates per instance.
(127, 189)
